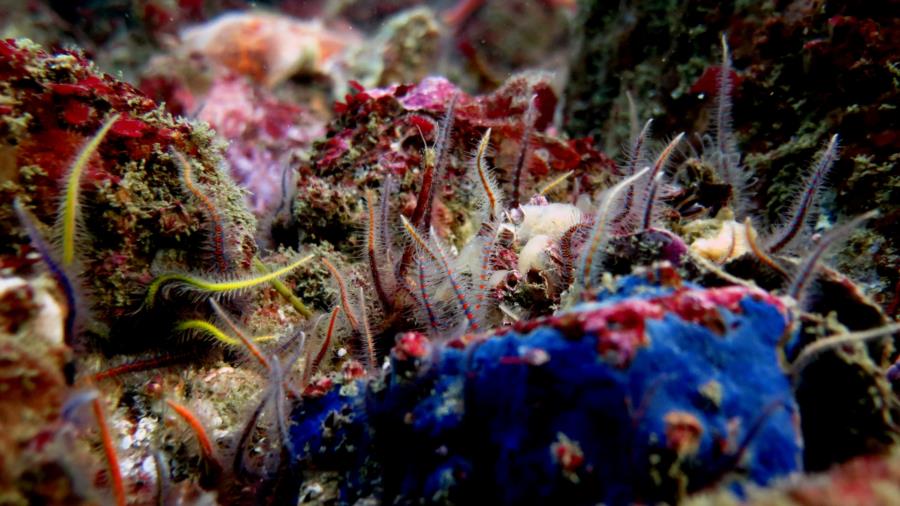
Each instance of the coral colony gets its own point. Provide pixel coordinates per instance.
(418, 293)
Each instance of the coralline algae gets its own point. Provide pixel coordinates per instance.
(657, 389)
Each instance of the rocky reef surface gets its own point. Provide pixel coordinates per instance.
(355, 264)
(802, 70)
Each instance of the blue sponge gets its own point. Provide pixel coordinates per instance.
(658, 389)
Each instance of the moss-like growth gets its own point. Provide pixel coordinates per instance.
(134, 210)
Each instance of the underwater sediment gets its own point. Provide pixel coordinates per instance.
(391, 253)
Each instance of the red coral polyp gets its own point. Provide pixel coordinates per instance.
(129, 127)
(76, 113)
(69, 89)
(97, 85)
